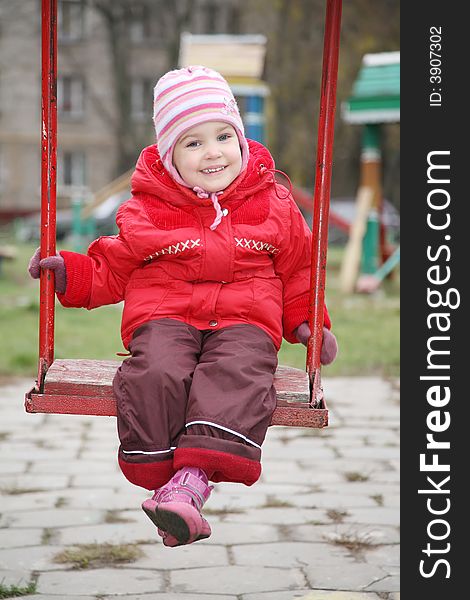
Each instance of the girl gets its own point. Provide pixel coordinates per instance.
(212, 260)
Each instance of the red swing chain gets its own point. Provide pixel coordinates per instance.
(48, 183)
(321, 201)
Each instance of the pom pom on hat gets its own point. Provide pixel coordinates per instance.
(187, 97)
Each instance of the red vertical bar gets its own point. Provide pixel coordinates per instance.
(321, 198)
(48, 183)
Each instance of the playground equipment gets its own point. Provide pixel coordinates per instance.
(85, 386)
(375, 100)
(367, 284)
(103, 204)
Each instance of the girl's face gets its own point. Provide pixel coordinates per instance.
(208, 156)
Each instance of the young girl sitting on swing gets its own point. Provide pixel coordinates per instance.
(212, 260)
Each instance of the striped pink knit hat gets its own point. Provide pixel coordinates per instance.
(187, 97)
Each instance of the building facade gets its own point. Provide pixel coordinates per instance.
(110, 54)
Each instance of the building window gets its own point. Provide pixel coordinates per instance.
(72, 168)
(70, 96)
(70, 15)
(141, 98)
(140, 30)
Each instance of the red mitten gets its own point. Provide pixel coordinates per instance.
(329, 348)
(54, 263)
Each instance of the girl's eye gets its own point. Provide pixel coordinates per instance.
(192, 144)
(224, 136)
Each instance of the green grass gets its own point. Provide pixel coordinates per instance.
(92, 556)
(16, 591)
(367, 327)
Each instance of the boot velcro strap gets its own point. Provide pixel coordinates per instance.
(197, 486)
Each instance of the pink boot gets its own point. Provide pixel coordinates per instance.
(175, 507)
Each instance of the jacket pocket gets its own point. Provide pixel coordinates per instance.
(236, 299)
(269, 301)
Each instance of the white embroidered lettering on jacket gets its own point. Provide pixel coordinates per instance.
(256, 245)
(175, 249)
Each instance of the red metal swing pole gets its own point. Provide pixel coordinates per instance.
(321, 198)
(48, 183)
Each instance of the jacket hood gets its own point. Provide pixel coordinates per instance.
(150, 177)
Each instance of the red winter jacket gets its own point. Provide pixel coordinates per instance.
(166, 262)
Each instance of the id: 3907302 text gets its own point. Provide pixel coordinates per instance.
(435, 66)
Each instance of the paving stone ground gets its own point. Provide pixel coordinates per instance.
(321, 524)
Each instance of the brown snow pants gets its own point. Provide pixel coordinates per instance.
(188, 397)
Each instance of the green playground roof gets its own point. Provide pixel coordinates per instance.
(375, 95)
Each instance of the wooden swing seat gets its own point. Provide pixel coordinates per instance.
(84, 387)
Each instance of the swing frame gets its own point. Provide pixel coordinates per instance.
(84, 387)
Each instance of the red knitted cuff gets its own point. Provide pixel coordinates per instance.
(295, 313)
(219, 466)
(79, 271)
(150, 476)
